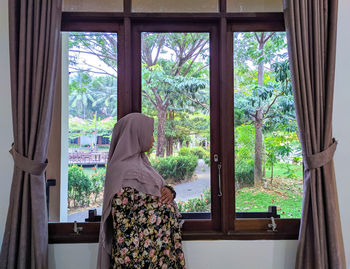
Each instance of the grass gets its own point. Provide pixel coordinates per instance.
(282, 170)
(285, 193)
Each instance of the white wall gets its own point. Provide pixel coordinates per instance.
(341, 120)
(199, 254)
(6, 137)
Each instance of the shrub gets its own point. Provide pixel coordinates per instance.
(185, 151)
(244, 174)
(200, 152)
(97, 182)
(201, 204)
(175, 167)
(244, 156)
(290, 173)
(79, 186)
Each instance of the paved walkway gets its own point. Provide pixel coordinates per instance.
(184, 191)
(194, 189)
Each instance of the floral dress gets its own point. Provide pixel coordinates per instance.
(146, 232)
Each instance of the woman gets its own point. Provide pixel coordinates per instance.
(139, 223)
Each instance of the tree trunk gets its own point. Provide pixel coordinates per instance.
(259, 122)
(258, 148)
(271, 173)
(170, 140)
(264, 171)
(170, 146)
(161, 132)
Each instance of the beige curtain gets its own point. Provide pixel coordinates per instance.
(311, 27)
(34, 41)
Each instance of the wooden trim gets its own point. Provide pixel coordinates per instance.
(62, 232)
(154, 16)
(287, 230)
(127, 7)
(122, 94)
(290, 226)
(136, 70)
(228, 132)
(222, 6)
(88, 26)
(257, 22)
(125, 89)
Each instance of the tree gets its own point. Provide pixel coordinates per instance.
(172, 79)
(261, 81)
(278, 145)
(174, 72)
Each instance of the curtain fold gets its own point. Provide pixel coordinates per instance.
(34, 42)
(311, 27)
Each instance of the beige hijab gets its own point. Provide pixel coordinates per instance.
(127, 166)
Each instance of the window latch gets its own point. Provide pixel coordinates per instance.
(76, 228)
(272, 225)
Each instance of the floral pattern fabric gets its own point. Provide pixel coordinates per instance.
(146, 232)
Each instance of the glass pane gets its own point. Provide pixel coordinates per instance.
(92, 109)
(175, 91)
(268, 159)
(254, 6)
(93, 5)
(175, 6)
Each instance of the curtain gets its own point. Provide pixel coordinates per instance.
(34, 41)
(311, 27)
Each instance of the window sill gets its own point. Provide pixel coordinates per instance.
(246, 229)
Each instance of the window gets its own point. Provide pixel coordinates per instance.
(176, 92)
(268, 159)
(183, 61)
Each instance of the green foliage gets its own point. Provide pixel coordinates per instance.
(200, 152)
(175, 167)
(281, 169)
(297, 159)
(201, 204)
(291, 171)
(185, 151)
(79, 127)
(97, 181)
(244, 156)
(79, 186)
(277, 145)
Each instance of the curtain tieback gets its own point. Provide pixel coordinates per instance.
(25, 164)
(321, 158)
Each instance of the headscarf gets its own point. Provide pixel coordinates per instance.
(127, 166)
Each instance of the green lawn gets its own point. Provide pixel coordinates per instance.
(282, 170)
(285, 193)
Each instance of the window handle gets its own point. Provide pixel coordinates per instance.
(272, 225)
(216, 159)
(219, 175)
(76, 228)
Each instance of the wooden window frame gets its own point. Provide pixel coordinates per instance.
(221, 25)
